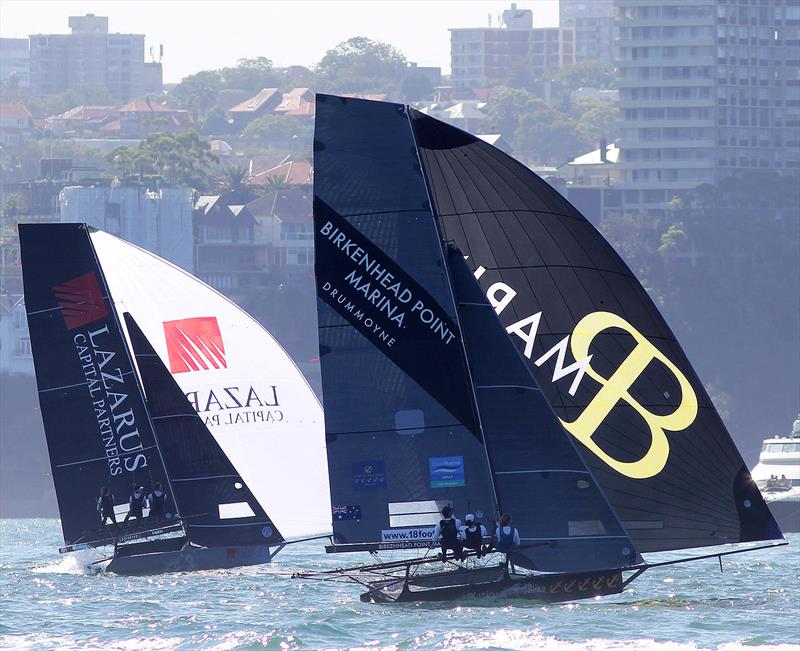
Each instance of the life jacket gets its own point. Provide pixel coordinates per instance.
(505, 540)
(449, 531)
(105, 503)
(473, 539)
(157, 499)
(137, 501)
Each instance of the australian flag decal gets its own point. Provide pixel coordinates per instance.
(352, 512)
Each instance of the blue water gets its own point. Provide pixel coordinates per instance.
(50, 602)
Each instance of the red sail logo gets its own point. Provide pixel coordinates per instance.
(81, 300)
(194, 344)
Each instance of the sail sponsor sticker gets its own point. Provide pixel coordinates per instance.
(194, 344)
(410, 535)
(369, 475)
(446, 471)
(348, 512)
(81, 300)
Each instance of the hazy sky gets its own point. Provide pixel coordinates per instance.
(199, 34)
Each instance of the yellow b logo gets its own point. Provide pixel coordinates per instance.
(616, 388)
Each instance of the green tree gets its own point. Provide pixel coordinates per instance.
(180, 159)
(416, 86)
(279, 131)
(199, 92)
(547, 136)
(596, 119)
(251, 75)
(507, 108)
(360, 64)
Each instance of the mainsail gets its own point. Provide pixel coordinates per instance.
(598, 347)
(427, 400)
(402, 435)
(97, 427)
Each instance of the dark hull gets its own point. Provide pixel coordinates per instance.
(480, 584)
(787, 514)
(189, 560)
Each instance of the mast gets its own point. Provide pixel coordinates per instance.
(457, 318)
(134, 367)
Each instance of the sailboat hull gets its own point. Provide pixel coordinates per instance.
(190, 559)
(480, 584)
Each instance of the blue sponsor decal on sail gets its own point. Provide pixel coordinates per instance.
(446, 471)
(349, 512)
(369, 475)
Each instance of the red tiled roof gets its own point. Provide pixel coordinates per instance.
(147, 105)
(256, 102)
(293, 172)
(299, 101)
(85, 113)
(14, 111)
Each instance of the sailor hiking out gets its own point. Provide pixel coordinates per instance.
(105, 506)
(472, 534)
(446, 534)
(136, 504)
(506, 536)
(156, 501)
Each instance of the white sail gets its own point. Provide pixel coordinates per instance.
(252, 396)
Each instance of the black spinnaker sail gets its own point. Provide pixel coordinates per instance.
(598, 347)
(426, 400)
(97, 427)
(218, 507)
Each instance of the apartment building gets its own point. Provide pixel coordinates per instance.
(708, 89)
(486, 56)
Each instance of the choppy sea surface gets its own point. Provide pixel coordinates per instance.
(52, 602)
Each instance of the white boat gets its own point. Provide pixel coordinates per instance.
(778, 476)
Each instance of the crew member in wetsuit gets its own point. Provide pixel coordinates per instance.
(156, 501)
(446, 534)
(472, 533)
(105, 506)
(135, 504)
(506, 536)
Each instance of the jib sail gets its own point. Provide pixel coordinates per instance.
(95, 420)
(247, 390)
(564, 520)
(598, 347)
(402, 434)
(217, 507)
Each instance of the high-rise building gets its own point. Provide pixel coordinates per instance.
(593, 21)
(708, 89)
(15, 61)
(485, 56)
(89, 58)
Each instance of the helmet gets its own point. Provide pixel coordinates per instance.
(469, 517)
